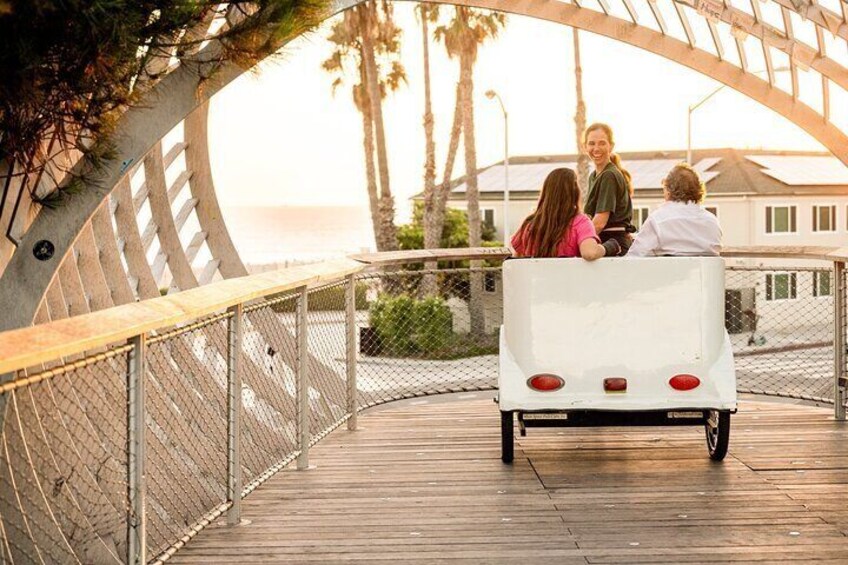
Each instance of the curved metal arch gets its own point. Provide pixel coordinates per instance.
(179, 93)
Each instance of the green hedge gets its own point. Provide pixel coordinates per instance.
(411, 327)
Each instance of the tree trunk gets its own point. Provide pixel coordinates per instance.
(472, 193)
(388, 230)
(466, 79)
(432, 235)
(443, 190)
(580, 118)
(430, 144)
(370, 171)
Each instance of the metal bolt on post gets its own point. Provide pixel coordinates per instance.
(839, 340)
(234, 345)
(350, 351)
(136, 518)
(302, 380)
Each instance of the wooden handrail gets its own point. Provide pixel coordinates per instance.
(28, 347)
(422, 255)
(819, 253)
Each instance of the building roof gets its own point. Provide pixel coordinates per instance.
(803, 170)
(725, 172)
(646, 174)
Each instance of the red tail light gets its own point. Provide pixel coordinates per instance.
(545, 382)
(684, 382)
(616, 384)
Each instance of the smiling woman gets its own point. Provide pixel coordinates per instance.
(608, 201)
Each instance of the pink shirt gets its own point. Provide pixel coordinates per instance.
(579, 230)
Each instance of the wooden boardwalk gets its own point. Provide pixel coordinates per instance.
(423, 483)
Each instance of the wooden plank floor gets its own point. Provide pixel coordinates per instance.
(423, 483)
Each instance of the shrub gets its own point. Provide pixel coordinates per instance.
(410, 327)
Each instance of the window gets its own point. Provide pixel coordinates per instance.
(781, 286)
(824, 218)
(639, 216)
(488, 216)
(489, 282)
(781, 219)
(712, 210)
(821, 283)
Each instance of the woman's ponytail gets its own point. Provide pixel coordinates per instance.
(616, 160)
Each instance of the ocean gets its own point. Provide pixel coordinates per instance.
(277, 236)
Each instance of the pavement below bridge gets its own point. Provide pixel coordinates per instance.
(421, 481)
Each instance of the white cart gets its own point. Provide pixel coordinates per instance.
(616, 342)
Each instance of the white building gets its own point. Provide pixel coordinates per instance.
(759, 197)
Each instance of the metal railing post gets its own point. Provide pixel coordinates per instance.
(136, 426)
(350, 353)
(302, 380)
(234, 343)
(839, 340)
(4, 378)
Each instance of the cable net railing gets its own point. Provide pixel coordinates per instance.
(781, 326)
(216, 425)
(63, 483)
(186, 421)
(415, 346)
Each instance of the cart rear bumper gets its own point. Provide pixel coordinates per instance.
(598, 418)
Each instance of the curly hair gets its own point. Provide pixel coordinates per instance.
(682, 184)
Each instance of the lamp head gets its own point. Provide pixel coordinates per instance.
(490, 94)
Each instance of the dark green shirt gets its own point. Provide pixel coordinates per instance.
(608, 192)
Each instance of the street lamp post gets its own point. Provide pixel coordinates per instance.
(692, 108)
(698, 104)
(490, 94)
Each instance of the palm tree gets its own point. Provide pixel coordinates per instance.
(428, 14)
(462, 36)
(435, 197)
(580, 118)
(367, 37)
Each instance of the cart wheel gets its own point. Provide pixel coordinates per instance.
(507, 437)
(718, 433)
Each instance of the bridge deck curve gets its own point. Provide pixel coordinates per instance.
(422, 482)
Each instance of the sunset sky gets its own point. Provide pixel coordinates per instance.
(280, 137)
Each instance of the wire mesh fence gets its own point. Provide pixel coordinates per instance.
(269, 386)
(427, 332)
(781, 326)
(841, 339)
(327, 362)
(63, 449)
(186, 416)
(63, 483)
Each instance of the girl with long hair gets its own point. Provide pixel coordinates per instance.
(609, 200)
(558, 228)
